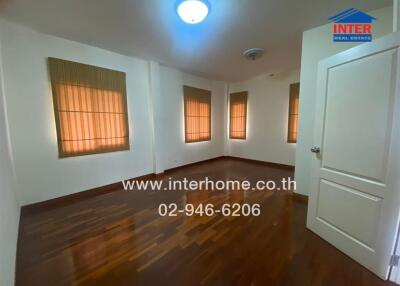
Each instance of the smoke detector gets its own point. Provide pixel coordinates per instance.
(253, 54)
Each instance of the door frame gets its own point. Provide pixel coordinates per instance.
(390, 210)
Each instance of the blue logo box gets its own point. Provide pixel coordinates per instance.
(352, 38)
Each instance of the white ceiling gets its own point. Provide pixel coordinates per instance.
(151, 29)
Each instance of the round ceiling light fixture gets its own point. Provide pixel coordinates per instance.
(193, 11)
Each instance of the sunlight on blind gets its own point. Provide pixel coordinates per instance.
(197, 104)
(238, 115)
(89, 119)
(293, 112)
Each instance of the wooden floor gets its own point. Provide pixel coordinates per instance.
(119, 239)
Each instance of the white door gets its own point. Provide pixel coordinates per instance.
(355, 186)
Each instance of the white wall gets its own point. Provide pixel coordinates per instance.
(41, 175)
(317, 45)
(9, 209)
(170, 120)
(155, 106)
(267, 121)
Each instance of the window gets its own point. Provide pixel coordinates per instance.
(293, 112)
(90, 108)
(238, 115)
(197, 105)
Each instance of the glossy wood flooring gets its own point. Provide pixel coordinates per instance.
(119, 239)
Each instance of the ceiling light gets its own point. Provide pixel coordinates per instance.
(193, 11)
(253, 54)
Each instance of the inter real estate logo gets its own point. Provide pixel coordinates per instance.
(352, 25)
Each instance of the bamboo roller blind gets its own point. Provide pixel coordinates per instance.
(90, 108)
(238, 115)
(293, 112)
(197, 108)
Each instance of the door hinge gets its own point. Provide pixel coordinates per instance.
(394, 260)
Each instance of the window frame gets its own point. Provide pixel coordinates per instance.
(294, 93)
(52, 62)
(241, 97)
(201, 95)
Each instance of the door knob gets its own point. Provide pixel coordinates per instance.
(315, 149)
